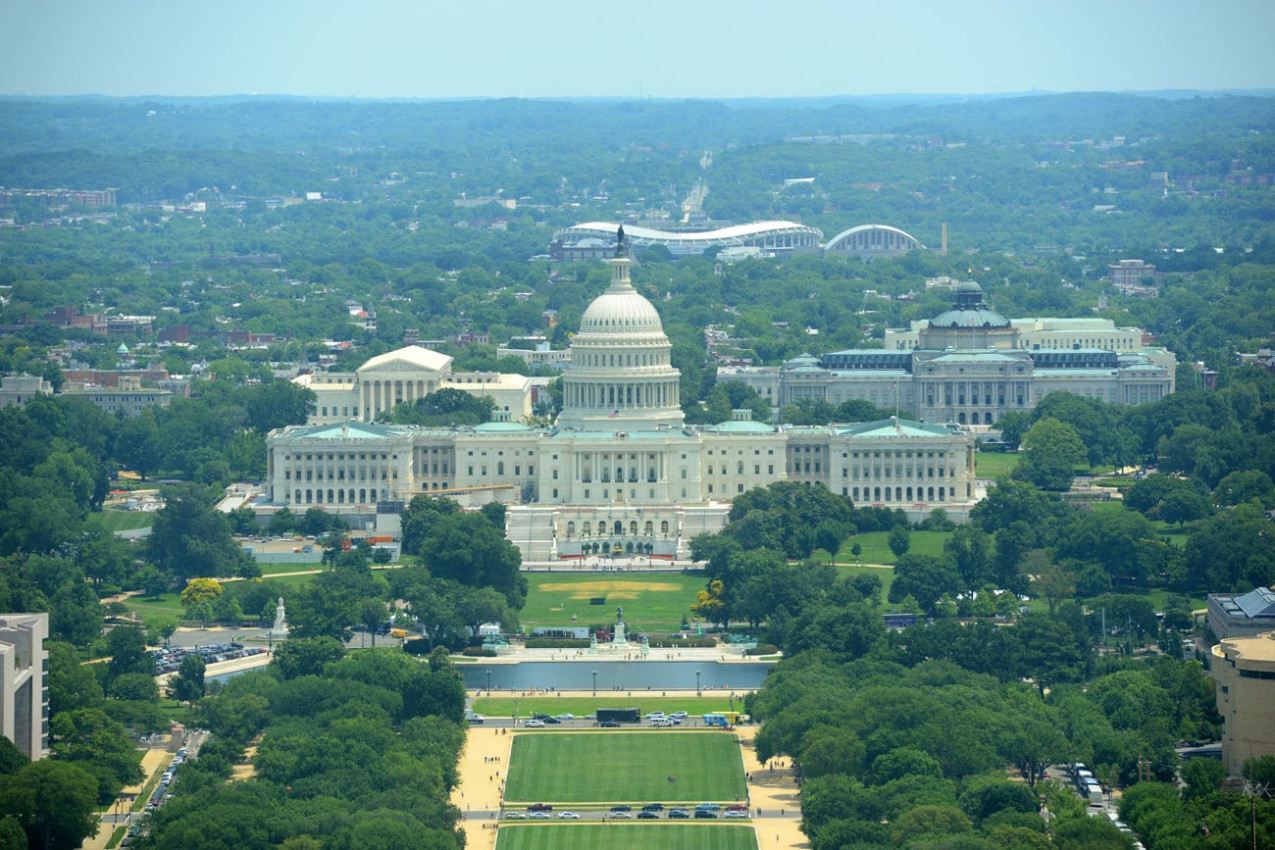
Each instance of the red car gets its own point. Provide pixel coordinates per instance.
(738, 807)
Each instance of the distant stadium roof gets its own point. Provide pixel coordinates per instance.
(873, 239)
(768, 235)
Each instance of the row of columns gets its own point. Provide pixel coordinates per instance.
(378, 396)
(622, 396)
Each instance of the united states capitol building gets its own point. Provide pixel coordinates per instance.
(619, 472)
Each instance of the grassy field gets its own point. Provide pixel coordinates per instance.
(580, 706)
(994, 464)
(876, 546)
(652, 602)
(169, 605)
(122, 520)
(885, 574)
(625, 767)
(704, 835)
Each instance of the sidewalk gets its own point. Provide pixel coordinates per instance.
(772, 790)
(479, 785)
(153, 762)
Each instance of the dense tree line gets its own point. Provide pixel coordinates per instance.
(355, 751)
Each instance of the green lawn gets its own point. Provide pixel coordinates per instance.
(994, 464)
(122, 520)
(702, 835)
(624, 767)
(580, 706)
(169, 605)
(652, 602)
(876, 546)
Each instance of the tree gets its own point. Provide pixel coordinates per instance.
(306, 656)
(188, 684)
(54, 801)
(190, 538)
(468, 549)
(200, 589)
(925, 578)
(1051, 451)
(900, 540)
(127, 647)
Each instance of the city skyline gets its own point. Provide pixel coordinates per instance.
(661, 49)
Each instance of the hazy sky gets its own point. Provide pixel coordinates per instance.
(656, 48)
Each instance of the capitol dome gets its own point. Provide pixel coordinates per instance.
(621, 310)
(621, 376)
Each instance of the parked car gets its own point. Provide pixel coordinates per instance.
(566, 716)
(621, 815)
(568, 816)
(514, 816)
(647, 815)
(621, 808)
(653, 807)
(610, 724)
(535, 724)
(708, 807)
(674, 814)
(705, 813)
(540, 807)
(539, 815)
(737, 807)
(736, 814)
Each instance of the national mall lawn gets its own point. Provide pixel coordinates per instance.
(700, 835)
(606, 767)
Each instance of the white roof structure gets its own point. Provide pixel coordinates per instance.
(410, 357)
(770, 235)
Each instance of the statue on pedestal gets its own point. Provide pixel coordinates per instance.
(280, 628)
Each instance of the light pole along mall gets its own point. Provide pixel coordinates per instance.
(697, 689)
(595, 683)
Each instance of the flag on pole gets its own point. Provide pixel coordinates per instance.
(614, 413)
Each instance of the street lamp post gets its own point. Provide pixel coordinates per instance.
(489, 683)
(697, 688)
(595, 683)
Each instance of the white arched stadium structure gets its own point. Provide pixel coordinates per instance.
(873, 240)
(780, 236)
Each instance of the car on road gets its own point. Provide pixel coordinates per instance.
(708, 807)
(705, 813)
(535, 724)
(674, 814)
(736, 814)
(539, 815)
(540, 807)
(647, 815)
(568, 816)
(477, 718)
(651, 715)
(621, 815)
(552, 721)
(653, 807)
(566, 716)
(678, 715)
(610, 724)
(514, 816)
(621, 808)
(540, 716)
(737, 807)
(661, 721)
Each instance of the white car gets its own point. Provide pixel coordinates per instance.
(568, 815)
(621, 815)
(534, 724)
(654, 714)
(678, 715)
(539, 816)
(736, 814)
(515, 816)
(565, 716)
